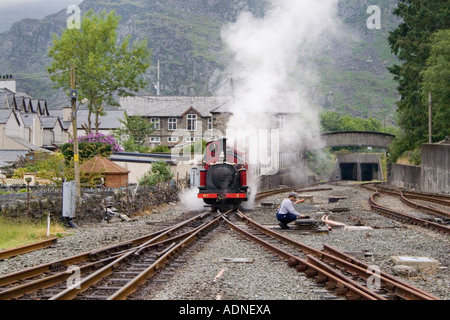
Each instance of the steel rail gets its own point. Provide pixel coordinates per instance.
(263, 194)
(5, 254)
(357, 291)
(390, 283)
(70, 261)
(49, 281)
(403, 196)
(352, 260)
(54, 279)
(428, 197)
(415, 205)
(72, 291)
(397, 215)
(91, 255)
(131, 286)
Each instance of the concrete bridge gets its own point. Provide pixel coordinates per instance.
(357, 166)
(357, 139)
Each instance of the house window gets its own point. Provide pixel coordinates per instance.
(192, 122)
(210, 124)
(172, 139)
(172, 124)
(156, 123)
(280, 121)
(155, 139)
(192, 139)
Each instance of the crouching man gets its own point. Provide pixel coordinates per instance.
(286, 212)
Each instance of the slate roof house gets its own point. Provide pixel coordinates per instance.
(28, 124)
(109, 122)
(181, 119)
(175, 119)
(25, 125)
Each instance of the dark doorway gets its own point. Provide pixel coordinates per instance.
(369, 171)
(349, 171)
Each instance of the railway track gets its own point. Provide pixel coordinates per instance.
(263, 194)
(5, 254)
(115, 271)
(403, 217)
(428, 197)
(406, 196)
(334, 270)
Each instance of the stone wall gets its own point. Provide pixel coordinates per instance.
(405, 176)
(91, 205)
(435, 175)
(432, 176)
(286, 177)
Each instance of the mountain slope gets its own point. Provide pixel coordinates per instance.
(185, 37)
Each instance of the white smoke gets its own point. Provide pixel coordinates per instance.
(189, 199)
(271, 57)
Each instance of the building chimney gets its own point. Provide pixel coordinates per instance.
(7, 82)
(67, 113)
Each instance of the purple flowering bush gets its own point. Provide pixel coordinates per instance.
(102, 138)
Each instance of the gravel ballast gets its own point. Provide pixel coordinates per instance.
(204, 277)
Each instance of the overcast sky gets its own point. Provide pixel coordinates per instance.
(15, 10)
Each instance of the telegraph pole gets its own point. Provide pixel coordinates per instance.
(158, 85)
(73, 98)
(429, 118)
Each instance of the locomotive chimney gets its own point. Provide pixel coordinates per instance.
(224, 148)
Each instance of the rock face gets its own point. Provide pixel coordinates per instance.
(186, 37)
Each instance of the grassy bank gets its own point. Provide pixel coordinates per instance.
(15, 234)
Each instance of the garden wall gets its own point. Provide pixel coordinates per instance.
(91, 206)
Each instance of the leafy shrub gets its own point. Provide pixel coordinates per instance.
(160, 172)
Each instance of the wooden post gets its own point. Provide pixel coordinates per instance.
(75, 132)
(28, 180)
(430, 140)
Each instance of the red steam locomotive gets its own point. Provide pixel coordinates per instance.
(223, 178)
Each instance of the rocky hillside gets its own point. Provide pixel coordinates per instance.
(185, 37)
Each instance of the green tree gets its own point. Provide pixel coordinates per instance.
(46, 165)
(436, 80)
(329, 121)
(133, 132)
(105, 69)
(333, 121)
(411, 42)
(160, 172)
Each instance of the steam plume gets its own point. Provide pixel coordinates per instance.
(272, 56)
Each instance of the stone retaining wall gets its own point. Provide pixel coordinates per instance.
(405, 176)
(432, 176)
(91, 206)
